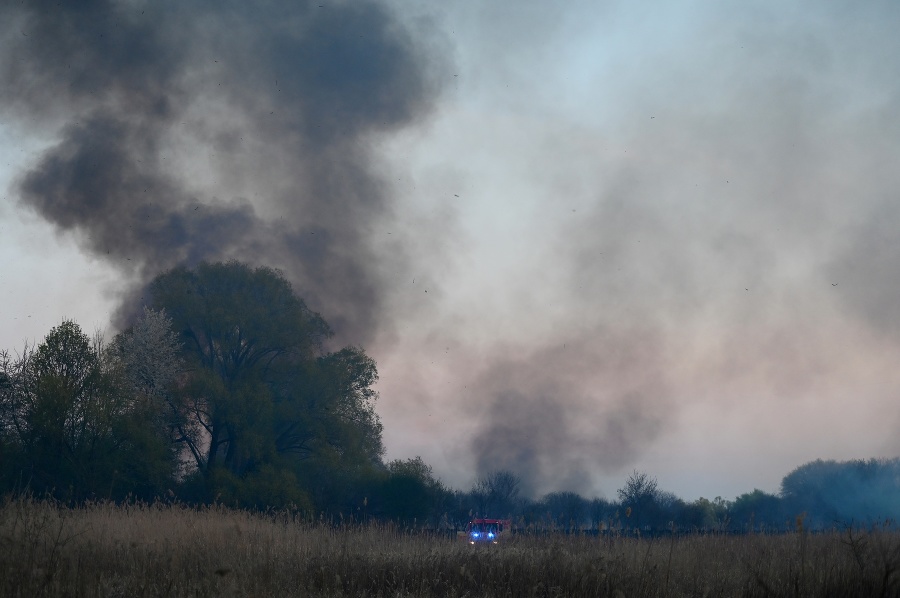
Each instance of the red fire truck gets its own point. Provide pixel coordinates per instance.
(486, 531)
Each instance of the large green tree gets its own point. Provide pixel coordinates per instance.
(260, 395)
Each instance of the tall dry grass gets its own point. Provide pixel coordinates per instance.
(172, 550)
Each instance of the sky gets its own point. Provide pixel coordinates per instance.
(579, 239)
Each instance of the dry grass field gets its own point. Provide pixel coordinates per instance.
(172, 550)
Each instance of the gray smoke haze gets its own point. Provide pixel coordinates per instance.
(700, 227)
(208, 131)
(657, 235)
(557, 417)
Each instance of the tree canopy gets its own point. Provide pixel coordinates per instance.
(71, 426)
(259, 391)
(221, 386)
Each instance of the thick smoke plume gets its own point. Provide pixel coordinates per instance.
(627, 238)
(207, 131)
(559, 416)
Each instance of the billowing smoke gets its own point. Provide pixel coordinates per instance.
(208, 131)
(715, 176)
(558, 417)
(626, 237)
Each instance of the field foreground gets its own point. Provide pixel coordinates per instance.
(172, 550)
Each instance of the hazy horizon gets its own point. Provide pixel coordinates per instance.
(577, 241)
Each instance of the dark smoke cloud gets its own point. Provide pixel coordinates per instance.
(667, 219)
(559, 416)
(197, 131)
(93, 182)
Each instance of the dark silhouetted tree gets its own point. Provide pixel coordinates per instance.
(259, 393)
(757, 510)
(240, 327)
(496, 494)
(411, 492)
(638, 498)
(566, 510)
(72, 425)
(840, 493)
(600, 512)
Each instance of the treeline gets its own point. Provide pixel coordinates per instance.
(222, 391)
(819, 495)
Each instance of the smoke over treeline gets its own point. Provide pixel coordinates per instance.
(701, 238)
(194, 131)
(558, 416)
(623, 237)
